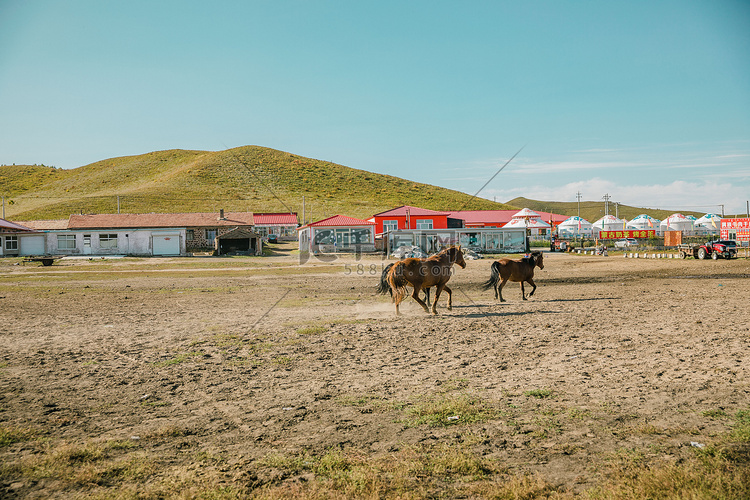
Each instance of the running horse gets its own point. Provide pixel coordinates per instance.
(423, 274)
(385, 287)
(514, 270)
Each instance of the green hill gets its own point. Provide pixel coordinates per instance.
(248, 178)
(594, 210)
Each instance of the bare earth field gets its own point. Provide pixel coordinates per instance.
(257, 377)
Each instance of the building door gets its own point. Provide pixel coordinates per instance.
(86, 244)
(32, 245)
(166, 244)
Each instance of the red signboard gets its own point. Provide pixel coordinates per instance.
(627, 233)
(735, 229)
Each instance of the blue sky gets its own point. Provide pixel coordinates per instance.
(646, 101)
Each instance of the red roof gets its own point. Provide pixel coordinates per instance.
(276, 219)
(473, 217)
(339, 220)
(112, 221)
(413, 211)
(483, 216)
(12, 226)
(46, 225)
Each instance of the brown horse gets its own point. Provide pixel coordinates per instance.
(514, 270)
(423, 274)
(385, 287)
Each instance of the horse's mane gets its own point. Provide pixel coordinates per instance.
(441, 253)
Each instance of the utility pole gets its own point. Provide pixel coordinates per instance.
(303, 210)
(606, 203)
(118, 203)
(3, 207)
(722, 211)
(617, 209)
(578, 197)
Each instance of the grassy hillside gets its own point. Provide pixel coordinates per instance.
(248, 178)
(594, 210)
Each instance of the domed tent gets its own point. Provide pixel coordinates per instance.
(608, 223)
(708, 224)
(536, 226)
(643, 221)
(573, 227)
(676, 222)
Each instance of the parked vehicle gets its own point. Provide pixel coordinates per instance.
(718, 249)
(272, 238)
(626, 243)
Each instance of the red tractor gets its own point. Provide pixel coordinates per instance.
(724, 249)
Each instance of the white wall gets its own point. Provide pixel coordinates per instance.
(129, 242)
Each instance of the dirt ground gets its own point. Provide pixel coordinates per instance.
(243, 358)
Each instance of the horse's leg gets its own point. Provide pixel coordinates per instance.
(450, 297)
(415, 294)
(397, 298)
(438, 289)
(500, 289)
(531, 282)
(523, 293)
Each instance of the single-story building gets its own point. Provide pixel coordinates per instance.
(19, 240)
(484, 240)
(337, 234)
(498, 218)
(138, 234)
(283, 225)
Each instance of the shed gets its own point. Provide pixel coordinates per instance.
(239, 241)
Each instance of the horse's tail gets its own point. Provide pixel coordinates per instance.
(397, 282)
(494, 276)
(384, 287)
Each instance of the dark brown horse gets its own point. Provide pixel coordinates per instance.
(514, 270)
(423, 274)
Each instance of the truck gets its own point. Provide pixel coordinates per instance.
(717, 249)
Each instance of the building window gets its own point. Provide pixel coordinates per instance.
(190, 234)
(11, 242)
(361, 236)
(210, 236)
(325, 237)
(424, 223)
(108, 241)
(66, 241)
(390, 225)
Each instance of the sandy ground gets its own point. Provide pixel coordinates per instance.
(276, 358)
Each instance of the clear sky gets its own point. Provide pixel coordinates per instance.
(646, 101)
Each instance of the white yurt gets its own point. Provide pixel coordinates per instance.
(644, 221)
(677, 222)
(608, 223)
(574, 227)
(708, 224)
(537, 227)
(526, 213)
